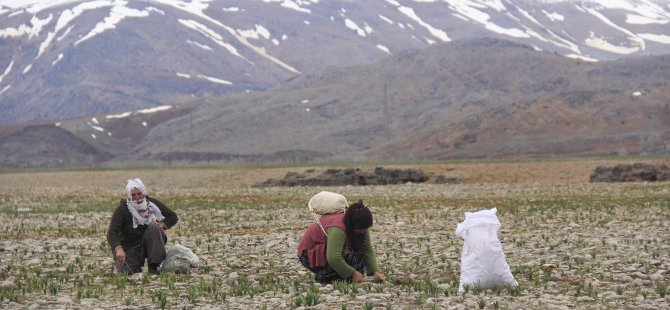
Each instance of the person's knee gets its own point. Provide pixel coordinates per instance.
(153, 233)
(153, 229)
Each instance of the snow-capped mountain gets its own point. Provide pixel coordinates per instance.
(66, 58)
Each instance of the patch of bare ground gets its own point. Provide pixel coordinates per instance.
(570, 171)
(570, 244)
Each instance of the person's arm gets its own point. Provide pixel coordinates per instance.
(369, 257)
(336, 240)
(171, 218)
(115, 227)
(114, 234)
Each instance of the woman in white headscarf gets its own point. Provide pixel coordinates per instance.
(136, 231)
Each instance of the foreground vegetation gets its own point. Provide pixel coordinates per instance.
(569, 244)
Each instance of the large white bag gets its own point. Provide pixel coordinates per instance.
(179, 259)
(326, 203)
(482, 260)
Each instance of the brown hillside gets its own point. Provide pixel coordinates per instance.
(50, 146)
(467, 99)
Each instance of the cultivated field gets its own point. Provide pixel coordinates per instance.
(608, 244)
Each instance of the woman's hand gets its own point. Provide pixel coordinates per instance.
(160, 224)
(379, 276)
(357, 277)
(120, 254)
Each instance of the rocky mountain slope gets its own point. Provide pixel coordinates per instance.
(62, 58)
(482, 98)
(475, 98)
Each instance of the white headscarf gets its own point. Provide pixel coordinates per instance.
(143, 212)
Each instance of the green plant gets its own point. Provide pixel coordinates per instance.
(592, 291)
(514, 290)
(661, 289)
(297, 301)
(54, 288)
(311, 298)
(478, 288)
(497, 289)
(192, 295)
(655, 254)
(162, 299)
(619, 290)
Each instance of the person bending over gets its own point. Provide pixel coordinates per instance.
(340, 247)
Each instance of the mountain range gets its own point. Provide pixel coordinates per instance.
(67, 58)
(91, 82)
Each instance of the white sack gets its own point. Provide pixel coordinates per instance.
(482, 260)
(180, 259)
(327, 203)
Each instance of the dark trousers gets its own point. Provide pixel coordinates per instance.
(151, 249)
(327, 274)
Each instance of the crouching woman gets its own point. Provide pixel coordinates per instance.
(137, 230)
(340, 248)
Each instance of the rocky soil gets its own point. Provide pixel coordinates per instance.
(570, 244)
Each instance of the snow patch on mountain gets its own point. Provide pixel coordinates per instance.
(386, 19)
(554, 16)
(470, 10)
(7, 70)
(118, 13)
(121, 115)
(212, 35)
(36, 25)
(293, 5)
(6, 88)
(353, 26)
(197, 8)
(659, 38)
(257, 33)
(204, 77)
(602, 44)
(155, 109)
(60, 56)
(35, 6)
(637, 42)
(643, 20)
(438, 33)
(645, 8)
(383, 48)
(202, 46)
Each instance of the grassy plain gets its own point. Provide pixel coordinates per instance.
(570, 244)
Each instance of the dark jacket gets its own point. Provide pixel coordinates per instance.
(121, 232)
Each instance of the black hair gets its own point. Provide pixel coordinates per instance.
(357, 216)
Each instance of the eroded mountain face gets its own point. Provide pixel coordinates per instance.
(61, 59)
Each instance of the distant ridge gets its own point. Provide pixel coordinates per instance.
(48, 146)
(480, 98)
